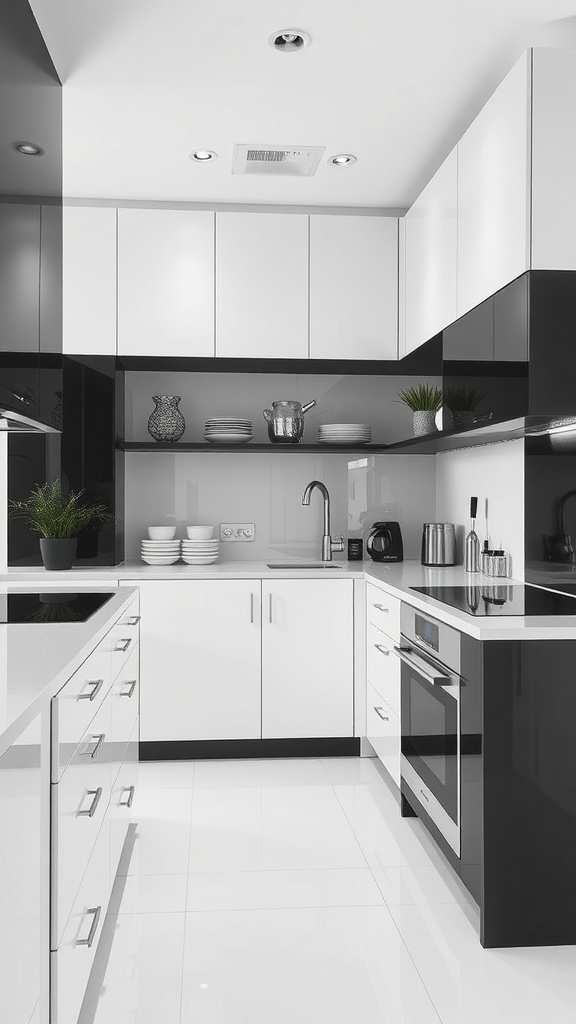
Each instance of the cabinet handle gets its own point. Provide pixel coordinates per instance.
(381, 608)
(99, 741)
(251, 609)
(128, 803)
(90, 937)
(133, 620)
(123, 644)
(379, 711)
(96, 793)
(97, 684)
(131, 687)
(382, 650)
(270, 608)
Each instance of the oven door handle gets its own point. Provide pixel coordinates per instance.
(406, 654)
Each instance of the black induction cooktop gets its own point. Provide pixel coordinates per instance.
(51, 607)
(483, 599)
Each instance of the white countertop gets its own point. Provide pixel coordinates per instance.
(396, 579)
(36, 660)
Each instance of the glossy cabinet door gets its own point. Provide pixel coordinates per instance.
(21, 848)
(494, 191)
(165, 282)
(431, 244)
(199, 659)
(353, 287)
(262, 285)
(307, 658)
(89, 285)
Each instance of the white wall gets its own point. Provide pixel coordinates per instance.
(495, 473)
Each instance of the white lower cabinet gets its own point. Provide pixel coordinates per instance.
(307, 658)
(383, 732)
(122, 798)
(200, 657)
(383, 677)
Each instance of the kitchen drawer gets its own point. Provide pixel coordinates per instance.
(123, 637)
(74, 707)
(72, 962)
(124, 700)
(121, 801)
(383, 732)
(383, 667)
(79, 804)
(383, 611)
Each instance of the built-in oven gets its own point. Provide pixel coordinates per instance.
(430, 718)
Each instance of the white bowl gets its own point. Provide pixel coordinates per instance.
(200, 532)
(166, 560)
(161, 532)
(206, 560)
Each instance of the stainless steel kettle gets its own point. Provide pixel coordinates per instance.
(438, 544)
(286, 421)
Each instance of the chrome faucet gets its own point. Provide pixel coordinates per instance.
(328, 545)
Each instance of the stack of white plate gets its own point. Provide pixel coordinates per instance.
(200, 552)
(160, 552)
(228, 430)
(344, 433)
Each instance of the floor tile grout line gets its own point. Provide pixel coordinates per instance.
(186, 895)
(413, 962)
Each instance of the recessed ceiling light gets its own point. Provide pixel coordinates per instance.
(27, 149)
(203, 156)
(288, 40)
(342, 160)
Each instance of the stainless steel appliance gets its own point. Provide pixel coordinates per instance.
(286, 421)
(430, 718)
(438, 544)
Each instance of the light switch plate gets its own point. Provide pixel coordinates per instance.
(243, 532)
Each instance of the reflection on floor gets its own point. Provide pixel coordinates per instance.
(291, 892)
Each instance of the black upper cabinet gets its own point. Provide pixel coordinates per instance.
(30, 220)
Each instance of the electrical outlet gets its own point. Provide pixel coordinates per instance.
(243, 532)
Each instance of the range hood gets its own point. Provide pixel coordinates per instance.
(15, 422)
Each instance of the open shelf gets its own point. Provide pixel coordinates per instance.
(267, 448)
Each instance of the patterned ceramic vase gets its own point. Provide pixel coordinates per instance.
(166, 423)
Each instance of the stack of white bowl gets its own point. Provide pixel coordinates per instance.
(344, 433)
(161, 548)
(228, 430)
(200, 548)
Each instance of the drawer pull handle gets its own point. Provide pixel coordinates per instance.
(128, 803)
(379, 711)
(96, 793)
(99, 741)
(97, 684)
(131, 687)
(123, 645)
(381, 608)
(93, 927)
(133, 620)
(382, 650)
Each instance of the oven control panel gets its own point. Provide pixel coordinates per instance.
(427, 633)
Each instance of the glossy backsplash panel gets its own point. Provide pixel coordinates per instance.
(392, 487)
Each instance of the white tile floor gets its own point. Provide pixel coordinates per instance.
(291, 892)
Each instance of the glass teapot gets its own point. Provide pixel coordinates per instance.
(286, 421)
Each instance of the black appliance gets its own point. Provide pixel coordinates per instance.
(482, 599)
(49, 607)
(430, 652)
(384, 543)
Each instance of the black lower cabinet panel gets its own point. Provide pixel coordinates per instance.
(199, 750)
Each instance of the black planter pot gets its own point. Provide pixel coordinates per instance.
(58, 552)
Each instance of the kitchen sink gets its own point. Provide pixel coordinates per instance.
(303, 565)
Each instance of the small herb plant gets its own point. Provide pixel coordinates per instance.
(422, 398)
(463, 399)
(52, 514)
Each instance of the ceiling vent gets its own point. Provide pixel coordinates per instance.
(287, 161)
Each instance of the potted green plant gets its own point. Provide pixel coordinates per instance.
(463, 403)
(58, 518)
(424, 400)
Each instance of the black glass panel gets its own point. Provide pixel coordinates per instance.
(482, 599)
(429, 737)
(50, 607)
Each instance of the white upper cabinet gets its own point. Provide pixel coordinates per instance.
(165, 282)
(353, 287)
(307, 658)
(262, 285)
(89, 280)
(494, 191)
(554, 160)
(430, 257)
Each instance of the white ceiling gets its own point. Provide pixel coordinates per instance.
(393, 81)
